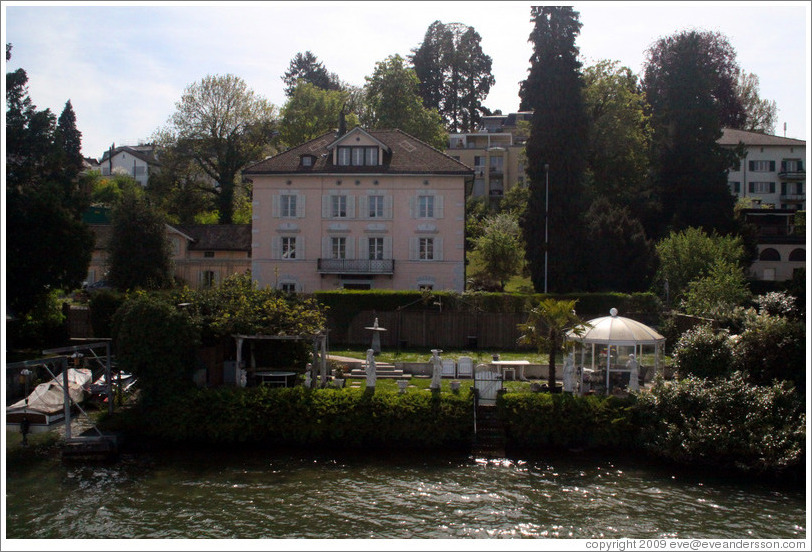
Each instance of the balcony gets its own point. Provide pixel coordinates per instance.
(793, 197)
(356, 266)
(791, 175)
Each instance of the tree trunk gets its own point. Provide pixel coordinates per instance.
(551, 367)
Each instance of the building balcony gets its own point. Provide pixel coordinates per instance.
(792, 175)
(793, 197)
(356, 266)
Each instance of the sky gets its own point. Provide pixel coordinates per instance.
(124, 65)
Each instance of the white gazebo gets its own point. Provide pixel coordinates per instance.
(607, 337)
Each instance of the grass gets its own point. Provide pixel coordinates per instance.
(421, 384)
(423, 355)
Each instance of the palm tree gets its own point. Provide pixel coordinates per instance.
(545, 327)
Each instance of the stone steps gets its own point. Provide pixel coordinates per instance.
(382, 370)
(490, 436)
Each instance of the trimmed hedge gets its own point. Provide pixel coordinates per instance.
(344, 304)
(336, 418)
(563, 420)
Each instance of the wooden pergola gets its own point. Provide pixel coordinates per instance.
(318, 367)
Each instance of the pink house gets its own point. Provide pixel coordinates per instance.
(366, 210)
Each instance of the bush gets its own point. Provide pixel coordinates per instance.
(772, 347)
(563, 420)
(155, 342)
(703, 352)
(338, 418)
(103, 305)
(725, 423)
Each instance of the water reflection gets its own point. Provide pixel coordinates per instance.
(285, 495)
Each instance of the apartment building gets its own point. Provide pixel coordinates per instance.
(772, 173)
(496, 152)
(363, 210)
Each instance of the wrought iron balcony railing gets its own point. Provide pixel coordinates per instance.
(356, 266)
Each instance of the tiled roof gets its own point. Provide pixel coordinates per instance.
(144, 153)
(407, 155)
(731, 137)
(218, 237)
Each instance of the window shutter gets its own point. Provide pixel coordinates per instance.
(388, 203)
(800, 166)
(772, 166)
(363, 247)
(752, 188)
(350, 248)
(325, 206)
(350, 206)
(387, 247)
(783, 166)
(276, 247)
(438, 249)
(363, 207)
(300, 249)
(413, 245)
(275, 207)
(772, 187)
(413, 207)
(325, 247)
(300, 205)
(438, 207)
(752, 165)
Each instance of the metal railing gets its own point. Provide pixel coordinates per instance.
(356, 266)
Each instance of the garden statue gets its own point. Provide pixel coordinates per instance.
(569, 373)
(632, 366)
(437, 369)
(371, 368)
(376, 336)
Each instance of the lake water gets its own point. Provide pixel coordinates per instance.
(250, 495)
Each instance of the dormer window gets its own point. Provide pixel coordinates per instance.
(308, 160)
(357, 156)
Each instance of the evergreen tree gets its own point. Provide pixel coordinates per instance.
(690, 82)
(69, 140)
(555, 152)
(306, 67)
(139, 250)
(455, 74)
(48, 247)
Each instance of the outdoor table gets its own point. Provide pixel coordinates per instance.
(512, 366)
(274, 378)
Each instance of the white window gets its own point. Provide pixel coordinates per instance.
(375, 203)
(287, 287)
(288, 205)
(376, 249)
(339, 206)
(426, 249)
(344, 156)
(762, 187)
(761, 166)
(339, 248)
(425, 206)
(357, 156)
(288, 247)
(425, 287)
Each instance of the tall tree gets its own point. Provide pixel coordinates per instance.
(455, 74)
(499, 252)
(760, 114)
(69, 140)
(139, 251)
(393, 101)
(619, 133)
(690, 82)
(221, 125)
(306, 67)
(310, 112)
(555, 152)
(48, 247)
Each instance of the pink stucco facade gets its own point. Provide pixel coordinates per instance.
(370, 228)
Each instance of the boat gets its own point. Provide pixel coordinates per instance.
(98, 389)
(45, 406)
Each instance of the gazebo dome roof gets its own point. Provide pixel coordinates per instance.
(616, 330)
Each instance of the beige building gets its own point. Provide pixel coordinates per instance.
(203, 255)
(496, 152)
(365, 210)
